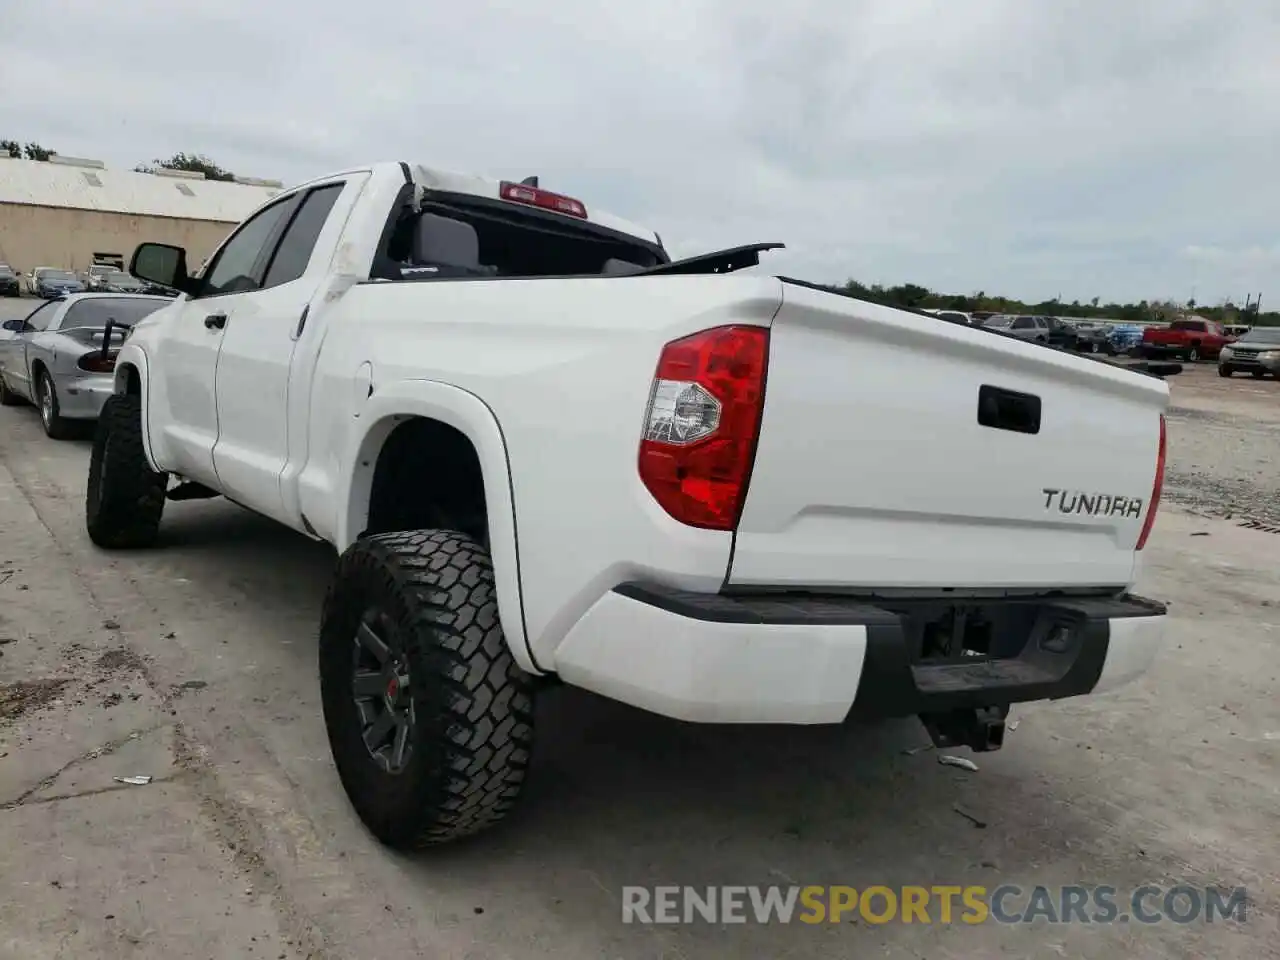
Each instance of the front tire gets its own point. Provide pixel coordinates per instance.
(125, 499)
(429, 717)
(1225, 370)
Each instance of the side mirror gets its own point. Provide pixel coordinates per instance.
(14, 325)
(160, 263)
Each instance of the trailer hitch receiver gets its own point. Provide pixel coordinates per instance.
(981, 729)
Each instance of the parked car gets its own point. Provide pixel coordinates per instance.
(1092, 337)
(117, 281)
(95, 278)
(10, 285)
(52, 282)
(155, 289)
(1021, 326)
(1125, 337)
(1189, 340)
(61, 356)
(1063, 333)
(364, 361)
(1256, 353)
(952, 316)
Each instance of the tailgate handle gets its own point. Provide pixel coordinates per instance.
(1003, 409)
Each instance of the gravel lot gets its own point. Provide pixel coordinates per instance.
(194, 664)
(1224, 443)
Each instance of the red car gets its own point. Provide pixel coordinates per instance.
(1190, 340)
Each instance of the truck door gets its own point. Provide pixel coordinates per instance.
(183, 405)
(256, 396)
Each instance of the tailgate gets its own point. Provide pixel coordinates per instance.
(874, 470)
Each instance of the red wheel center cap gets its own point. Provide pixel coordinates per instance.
(393, 688)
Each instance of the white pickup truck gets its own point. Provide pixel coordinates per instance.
(544, 451)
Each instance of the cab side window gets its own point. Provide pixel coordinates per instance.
(290, 259)
(234, 267)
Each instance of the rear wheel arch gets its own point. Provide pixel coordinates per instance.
(427, 475)
(407, 426)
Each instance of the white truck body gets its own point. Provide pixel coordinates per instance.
(877, 499)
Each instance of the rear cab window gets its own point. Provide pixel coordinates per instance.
(461, 236)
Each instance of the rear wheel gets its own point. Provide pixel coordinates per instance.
(125, 499)
(1193, 353)
(429, 717)
(55, 425)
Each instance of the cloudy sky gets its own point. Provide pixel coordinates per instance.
(1121, 149)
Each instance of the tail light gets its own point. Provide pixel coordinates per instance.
(702, 422)
(1156, 490)
(96, 362)
(534, 197)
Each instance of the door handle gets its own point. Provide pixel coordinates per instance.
(215, 321)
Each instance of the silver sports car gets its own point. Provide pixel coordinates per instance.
(62, 356)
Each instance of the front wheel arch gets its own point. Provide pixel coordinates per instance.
(133, 375)
(128, 380)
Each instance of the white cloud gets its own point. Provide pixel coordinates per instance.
(1029, 148)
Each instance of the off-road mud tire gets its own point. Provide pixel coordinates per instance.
(125, 499)
(472, 732)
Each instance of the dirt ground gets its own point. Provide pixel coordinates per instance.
(1223, 432)
(194, 665)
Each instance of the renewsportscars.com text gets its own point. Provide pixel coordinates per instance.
(936, 904)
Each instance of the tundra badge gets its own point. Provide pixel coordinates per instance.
(1092, 504)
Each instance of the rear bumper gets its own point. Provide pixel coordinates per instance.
(809, 660)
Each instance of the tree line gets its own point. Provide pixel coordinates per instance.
(915, 297)
(912, 296)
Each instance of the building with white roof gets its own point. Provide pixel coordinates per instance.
(68, 212)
